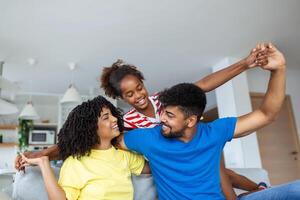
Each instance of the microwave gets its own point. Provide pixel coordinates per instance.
(42, 137)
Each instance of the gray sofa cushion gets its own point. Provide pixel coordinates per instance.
(4, 196)
(30, 185)
(6, 180)
(144, 188)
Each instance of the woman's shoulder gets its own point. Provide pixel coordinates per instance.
(126, 153)
(122, 152)
(73, 161)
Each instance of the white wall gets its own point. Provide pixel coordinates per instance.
(233, 100)
(8, 155)
(258, 80)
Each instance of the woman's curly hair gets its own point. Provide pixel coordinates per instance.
(79, 133)
(112, 76)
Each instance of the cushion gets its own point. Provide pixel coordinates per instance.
(255, 174)
(30, 185)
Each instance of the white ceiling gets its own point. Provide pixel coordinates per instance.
(171, 41)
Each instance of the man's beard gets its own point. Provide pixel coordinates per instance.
(172, 134)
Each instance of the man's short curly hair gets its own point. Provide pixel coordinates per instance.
(112, 76)
(78, 135)
(187, 96)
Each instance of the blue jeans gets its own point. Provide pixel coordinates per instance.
(289, 191)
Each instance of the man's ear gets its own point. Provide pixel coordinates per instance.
(192, 121)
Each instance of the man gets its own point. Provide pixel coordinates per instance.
(184, 155)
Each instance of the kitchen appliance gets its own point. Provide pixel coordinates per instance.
(42, 137)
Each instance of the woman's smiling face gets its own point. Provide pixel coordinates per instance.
(107, 125)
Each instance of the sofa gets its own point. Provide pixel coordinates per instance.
(6, 183)
(30, 186)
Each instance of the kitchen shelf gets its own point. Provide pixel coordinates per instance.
(8, 127)
(45, 124)
(5, 145)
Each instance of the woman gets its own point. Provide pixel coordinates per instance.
(126, 82)
(93, 168)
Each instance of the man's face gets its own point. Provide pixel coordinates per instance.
(173, 122)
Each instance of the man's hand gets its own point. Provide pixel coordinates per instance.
(28, 154)
(276, 59)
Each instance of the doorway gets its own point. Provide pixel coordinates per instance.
(279, 143)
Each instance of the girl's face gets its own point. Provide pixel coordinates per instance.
(134, 92)
(107, 125)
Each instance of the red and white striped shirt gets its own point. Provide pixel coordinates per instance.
(133, 119)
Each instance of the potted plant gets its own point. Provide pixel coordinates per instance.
(25, 127)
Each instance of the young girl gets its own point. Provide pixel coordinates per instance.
(93, 168)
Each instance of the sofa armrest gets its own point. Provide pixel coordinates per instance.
(6, 180)
(30, 185)
(7, 171)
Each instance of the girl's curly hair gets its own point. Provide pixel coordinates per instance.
(79, 133)
(112, 76)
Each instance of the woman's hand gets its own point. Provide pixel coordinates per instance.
(25, 161)
(27, 154)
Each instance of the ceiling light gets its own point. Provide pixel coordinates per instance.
(29, 112)
(71, 95)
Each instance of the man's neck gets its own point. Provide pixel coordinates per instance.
(188, 135)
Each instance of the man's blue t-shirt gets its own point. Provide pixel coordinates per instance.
(185, 170)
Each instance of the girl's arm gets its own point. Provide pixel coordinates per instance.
(146, 169)
(256, 57)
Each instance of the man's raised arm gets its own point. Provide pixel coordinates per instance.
(273, 99)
